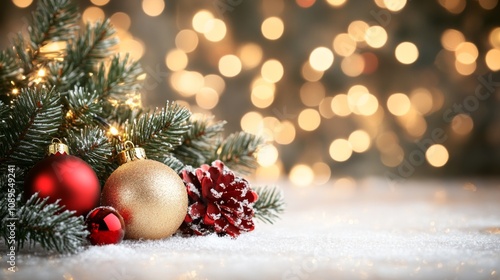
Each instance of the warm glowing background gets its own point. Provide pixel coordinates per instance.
(339, 88)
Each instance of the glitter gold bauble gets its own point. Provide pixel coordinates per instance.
(149, 195)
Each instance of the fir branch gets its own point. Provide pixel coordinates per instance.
(39, 222)
(9, 69)
(92, 145)
(161, 131)
(120, 78)
(269, 205)
(238, 151)
(174, 163)
(200, 141)
(53, 20)
(34, 120)
(93, 45)
(83, 105)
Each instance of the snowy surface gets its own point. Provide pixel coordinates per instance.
(418, 230)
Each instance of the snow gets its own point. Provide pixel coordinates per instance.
(418, 229)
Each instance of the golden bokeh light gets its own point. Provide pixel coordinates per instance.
(340, 105)
(376, 36)
(99, 2)
(272, 28)
(176, 60)
(386, 140)
(22, 3)
(357, 30)
(344, 44)
(414, 124)
(360, 141)
(93, 14)
(272, 71)
(310, 74)
(153, 8)
(301, 175)
(321, 58)
(353, 65)
(229, 65)
(451, 38)
(465, 69)
(394, 5)
(340, 150)
(437, 155)
(453, 6)
(214, 30)
(133, 47)
(494, 38)
(284, 133)
(322, 173)
(336, 3)
(492, 59)
(309, 119)
(305, 3)
(421, 99)
(207, 98)
(216, 82)
(250, 55)
(462, 124)
(200, 19)
(186, 40)
(121, 20)
(262, 96)
(187, 83)
(466, 53)
(406, 53)
(488, 4)
(267, 155)
(398, 104)
(251, 122)
(312, 93)
(325, 108)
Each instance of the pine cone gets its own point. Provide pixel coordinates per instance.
(219, 201)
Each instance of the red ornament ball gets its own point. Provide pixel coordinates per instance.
(106, 226)
(67, 178)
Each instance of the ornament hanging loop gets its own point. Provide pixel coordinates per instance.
(57, 147)
(130, 153)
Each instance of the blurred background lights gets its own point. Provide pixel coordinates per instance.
(229, 65)
(437, 155)
(332, 85)
(186, 40)
(272, 70)
(272, 28)
(309, 119)
(301, 175)
(321, 58)
(394, 5)
(376, 36)
(153, 8)
(22, 3)
(398, 104)
(406, 53)
(340, 150)
(200, 19)
(214, 29)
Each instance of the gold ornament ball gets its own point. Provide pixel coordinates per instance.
(150, 196)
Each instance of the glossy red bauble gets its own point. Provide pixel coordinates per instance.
(67, 178)
(105, 225)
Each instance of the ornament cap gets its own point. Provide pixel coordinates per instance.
(130, 153)
(57, 147)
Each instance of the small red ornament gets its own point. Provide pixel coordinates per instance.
(219, 201)
(65, 177)
(105, 225)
